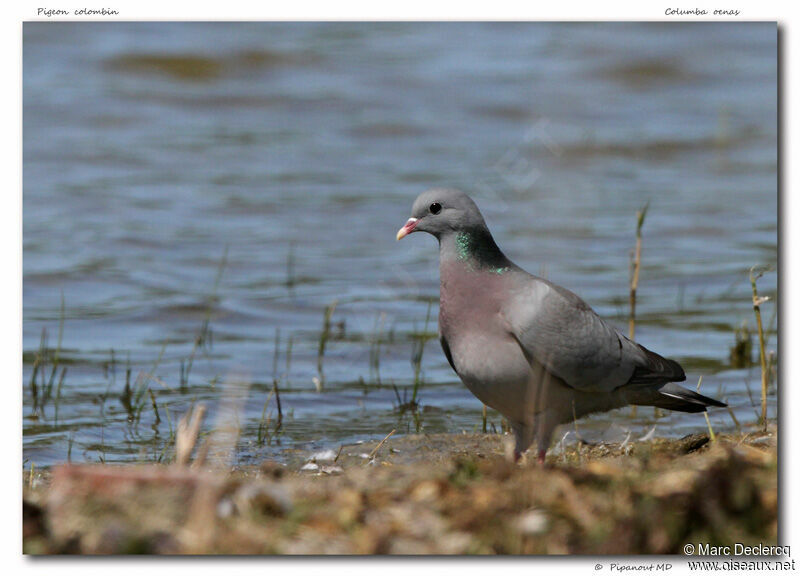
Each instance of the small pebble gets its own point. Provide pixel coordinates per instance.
(225, 508)
(324, 456)
(532, 522)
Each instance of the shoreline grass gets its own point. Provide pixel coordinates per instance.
(757, 301)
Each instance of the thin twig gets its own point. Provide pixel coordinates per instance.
(708, 422)
(323, 340)
(279, 423)
(635, 266)
(735, 420)
(378, 447)
(757, 301)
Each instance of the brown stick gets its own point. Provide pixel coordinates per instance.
(635, 265)
(757, 301)
(278, 402)
(378, 447)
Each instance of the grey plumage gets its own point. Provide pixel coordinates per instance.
(531, 349)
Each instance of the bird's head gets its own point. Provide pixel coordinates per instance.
(442, 211)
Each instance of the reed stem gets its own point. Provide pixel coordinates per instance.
(635, 266)
(757, 301)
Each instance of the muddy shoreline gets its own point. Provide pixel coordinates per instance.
(423, 494)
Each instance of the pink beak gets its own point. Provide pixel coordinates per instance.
(407, 229)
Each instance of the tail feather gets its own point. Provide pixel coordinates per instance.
(674, 397)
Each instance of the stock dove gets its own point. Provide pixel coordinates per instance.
(528, 348)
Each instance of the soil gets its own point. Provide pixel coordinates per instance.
(425, 494)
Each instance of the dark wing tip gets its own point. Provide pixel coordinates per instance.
(656, 369)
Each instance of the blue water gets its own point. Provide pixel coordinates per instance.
(232, 180)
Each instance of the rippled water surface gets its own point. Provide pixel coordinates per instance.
(197, 196)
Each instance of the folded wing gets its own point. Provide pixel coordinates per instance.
(556, 328)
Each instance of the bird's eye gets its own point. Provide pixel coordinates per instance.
(435, 208)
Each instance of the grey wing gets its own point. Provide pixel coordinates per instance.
(560, 331)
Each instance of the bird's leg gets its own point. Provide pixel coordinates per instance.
(523, 437)
(546, 423)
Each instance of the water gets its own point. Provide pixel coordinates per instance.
(230, 181)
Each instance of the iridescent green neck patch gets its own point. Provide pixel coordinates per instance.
(467, 248)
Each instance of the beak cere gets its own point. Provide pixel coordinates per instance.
(407, 229)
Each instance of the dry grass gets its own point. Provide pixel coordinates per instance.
(440, 494)
(757, 301)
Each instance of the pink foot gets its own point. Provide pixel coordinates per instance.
(541, 455)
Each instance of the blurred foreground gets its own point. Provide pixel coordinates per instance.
(428, 494)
